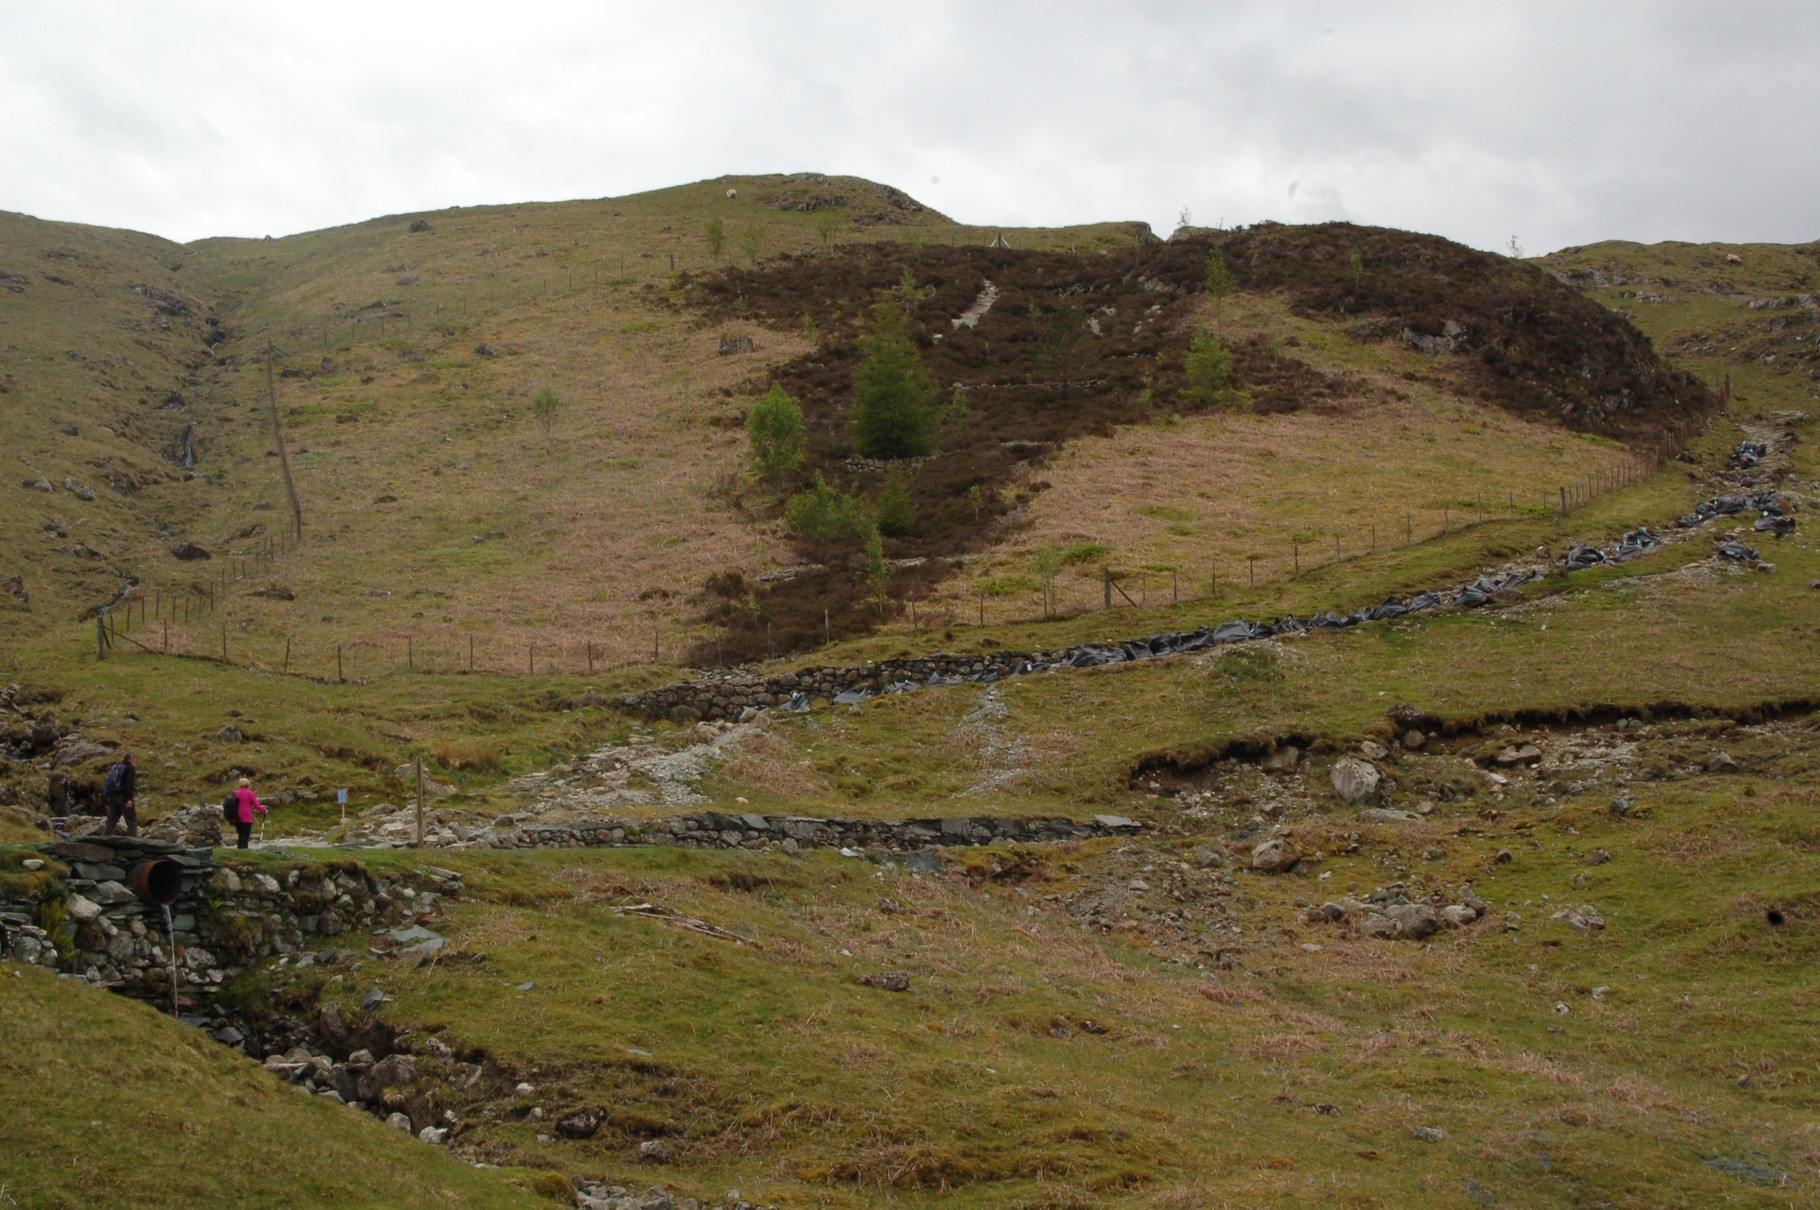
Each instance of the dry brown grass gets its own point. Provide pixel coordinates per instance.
(1399, 453)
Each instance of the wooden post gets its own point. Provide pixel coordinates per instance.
(287, 655)
(913, 617)
(1374, 539)
(1564, 501)
(410, 653)
(1251, 569)
(1295, 553)
(1444, 519)
(470, 653)
(1106, 585)
(982, 607)
(1175, 596)
(531, 652)
(590, 658)
(224, 655)
(338, 676)
(1336, 548)
(100, 638)
(167, 636)
(1213, 579)
(420, 802)
(657, 649)
(827, 628)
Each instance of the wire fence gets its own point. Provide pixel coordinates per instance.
(185, 620)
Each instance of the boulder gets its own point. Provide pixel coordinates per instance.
(1387, 815)
(1457, 915)
(1284, 759)
(393, 1069)
(1414, 739)
(189, 552)
(1275, 855)
(1519, 754)
(76, 753)
(1414, 921)
(1720, 762)
(890, 981)
(582, 1124)
(1354, 780)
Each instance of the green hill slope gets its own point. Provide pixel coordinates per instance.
(110, 1104)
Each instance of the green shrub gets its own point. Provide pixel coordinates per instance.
(774, 428)
(827, 514)
(1209, 374)
(1082, 553)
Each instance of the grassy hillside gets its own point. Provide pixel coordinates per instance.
(109, 1103)
(1142, 1022)
(1116, 1023)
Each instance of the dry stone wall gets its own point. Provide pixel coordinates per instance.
(790, 834)
(96, 928)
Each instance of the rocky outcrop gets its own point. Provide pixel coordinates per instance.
(1393, 914)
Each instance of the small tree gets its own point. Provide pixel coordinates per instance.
(752, 239)
(1209, 373)
(827, 226)
(1219, 285)
(896, 511)
(1065, 349)
(894, 408)
(825, 513)
(717, 237)
(878, 572)
(544, 405)
(774, 430)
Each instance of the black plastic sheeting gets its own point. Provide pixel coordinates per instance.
(1479, 593)
(1768, 503)
(1737, 552)
(1747, 456)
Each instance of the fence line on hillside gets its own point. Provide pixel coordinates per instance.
(168, 621)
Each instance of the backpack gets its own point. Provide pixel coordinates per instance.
(116, 776)
(230, 808)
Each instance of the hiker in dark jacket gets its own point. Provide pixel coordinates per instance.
(120, 792)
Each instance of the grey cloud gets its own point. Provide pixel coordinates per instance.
(1560, 123)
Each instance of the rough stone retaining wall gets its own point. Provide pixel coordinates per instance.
(729, 695)
(789, 833)
(222, 922)
(736, 695)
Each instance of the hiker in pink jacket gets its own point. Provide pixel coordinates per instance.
(246, 802)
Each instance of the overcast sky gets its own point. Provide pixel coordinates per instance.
(1556, 123)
